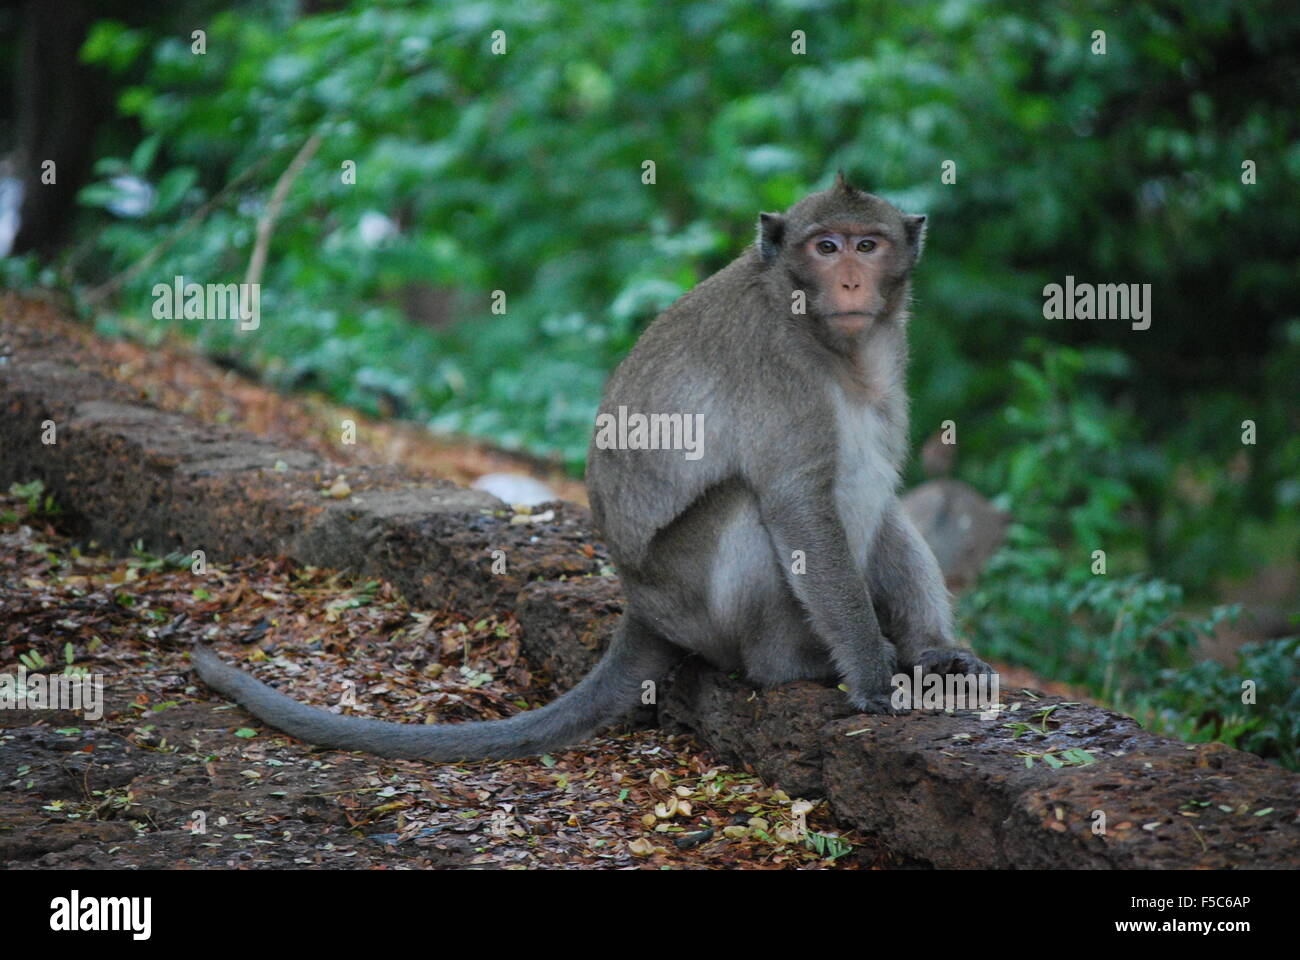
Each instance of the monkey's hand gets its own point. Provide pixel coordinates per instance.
(947, 661)
(874, 691)
(879, 704)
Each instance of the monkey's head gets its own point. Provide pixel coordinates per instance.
(849, 252)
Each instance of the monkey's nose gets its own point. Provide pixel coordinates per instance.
(850, 286)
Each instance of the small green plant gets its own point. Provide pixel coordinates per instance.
(38, 507)
(33, 660)
(70, 669)
(827, 845)
(1056, 759)
(142, 559)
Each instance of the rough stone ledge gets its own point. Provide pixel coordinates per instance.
(127, 472)
(953, 790)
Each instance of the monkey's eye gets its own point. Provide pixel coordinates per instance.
(827, 247)
(866, 245)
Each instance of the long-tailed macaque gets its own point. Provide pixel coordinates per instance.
(775, 545)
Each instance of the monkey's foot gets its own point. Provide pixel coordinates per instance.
(950, 660)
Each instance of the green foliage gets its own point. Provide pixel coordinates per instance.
(1045, 603)
(1204, 701)
(1069, 467)
(521, 173)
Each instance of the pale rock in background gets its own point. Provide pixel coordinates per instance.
(515, 488)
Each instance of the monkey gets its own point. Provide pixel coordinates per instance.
(780, 550)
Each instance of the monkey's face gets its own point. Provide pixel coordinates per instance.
(849, 265)
(845, 256)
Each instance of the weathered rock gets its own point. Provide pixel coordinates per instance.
(1167, 805)
(125, 472)
(567, 624)
(776, 733)
(954, 789)
(962, 528)
(946, 784)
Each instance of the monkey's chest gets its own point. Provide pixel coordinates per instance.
(865, 475)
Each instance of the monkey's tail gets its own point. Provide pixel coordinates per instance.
(612, 689)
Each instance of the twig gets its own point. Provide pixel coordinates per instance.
(1197, 834)
(267, 223)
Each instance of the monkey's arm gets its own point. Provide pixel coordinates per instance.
(913, 603)
(831, 590)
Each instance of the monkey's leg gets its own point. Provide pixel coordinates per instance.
(783, 647)
(833, 592)
(912, 600)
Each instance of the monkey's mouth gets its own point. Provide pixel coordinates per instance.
(849, 322)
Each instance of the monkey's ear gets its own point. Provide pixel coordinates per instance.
(771, 234)
(914, 226)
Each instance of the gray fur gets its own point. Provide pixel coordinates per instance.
(605, 694)
(805, 428)
(804, 437)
